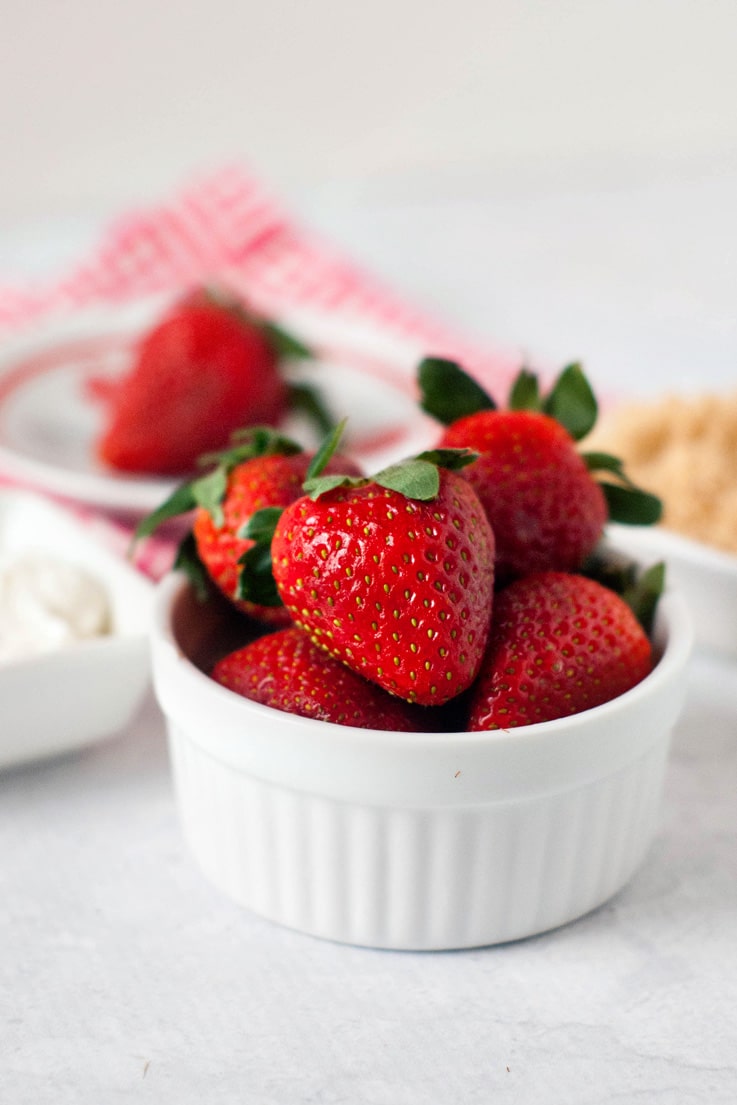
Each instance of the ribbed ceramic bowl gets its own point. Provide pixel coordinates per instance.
(405, 840)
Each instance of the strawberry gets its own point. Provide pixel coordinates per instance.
(392, 575)
(286, 671)
(546, 508)
(203, 370)
(560, 643)
(263, 470)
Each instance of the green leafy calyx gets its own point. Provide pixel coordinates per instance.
(641, 590)
(283, 342)
(256, 580)
(208, 491)
(307, 400)
(187, 560)
(626, 502)
(415, 478)
(571, 401)
(448, 393)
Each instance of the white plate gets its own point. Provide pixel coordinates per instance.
(706, 577)
(49, 423)
(89, 690)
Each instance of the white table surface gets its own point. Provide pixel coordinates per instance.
(125, 977)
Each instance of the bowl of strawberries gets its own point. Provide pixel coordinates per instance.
(430, 707)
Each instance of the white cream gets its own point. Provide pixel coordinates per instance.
(47, 604)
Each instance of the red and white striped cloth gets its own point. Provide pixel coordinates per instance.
(225, 227)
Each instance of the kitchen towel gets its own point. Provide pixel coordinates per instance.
(225, 228)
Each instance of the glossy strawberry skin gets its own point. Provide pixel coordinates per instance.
(274, 480)
(202, 372)
(399, 590)
(286, 671)
(560, 643)
(546, 510)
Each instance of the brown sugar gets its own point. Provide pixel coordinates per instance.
(684, 449)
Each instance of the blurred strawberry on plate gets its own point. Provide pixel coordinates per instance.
(57, 382)
(205, 369)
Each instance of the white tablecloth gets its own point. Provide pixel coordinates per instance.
(125, 977)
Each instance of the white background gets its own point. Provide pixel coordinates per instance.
(558, 175)
(103, 102)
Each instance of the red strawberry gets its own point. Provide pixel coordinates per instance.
(286, 671)
(545, 507)
(560, 643)
(264, 472)
(265, 482)
(203, 371)
(392, 576)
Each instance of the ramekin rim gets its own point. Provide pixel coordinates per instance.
(673, 621)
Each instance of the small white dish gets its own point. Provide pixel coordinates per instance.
(87, 690)
(406, 840)
(706, 577)
(49, 422)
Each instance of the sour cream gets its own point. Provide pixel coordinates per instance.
(47, 604)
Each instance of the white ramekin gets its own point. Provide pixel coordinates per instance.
(406, 840)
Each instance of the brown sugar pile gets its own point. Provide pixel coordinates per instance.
(684, 449)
